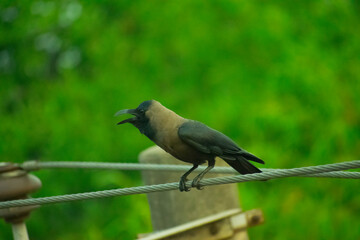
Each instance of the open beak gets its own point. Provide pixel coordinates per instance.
(126, 111)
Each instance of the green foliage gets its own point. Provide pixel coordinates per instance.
(280, 78)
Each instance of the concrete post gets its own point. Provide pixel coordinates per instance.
(173, 208)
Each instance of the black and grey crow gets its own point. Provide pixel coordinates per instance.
(188, 140)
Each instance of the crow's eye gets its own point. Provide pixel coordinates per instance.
(142, 111)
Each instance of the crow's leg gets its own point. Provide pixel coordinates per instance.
(183, 179)
(197, 179)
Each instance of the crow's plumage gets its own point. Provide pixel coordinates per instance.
(188, 140)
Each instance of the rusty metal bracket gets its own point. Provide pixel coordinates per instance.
(225, 225)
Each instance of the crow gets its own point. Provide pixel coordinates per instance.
(188, 140)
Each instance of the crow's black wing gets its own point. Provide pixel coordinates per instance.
(210, 141)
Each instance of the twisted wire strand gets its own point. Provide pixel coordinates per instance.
(37, 165)
(174, 186)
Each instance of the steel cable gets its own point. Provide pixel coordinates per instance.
(266, 175)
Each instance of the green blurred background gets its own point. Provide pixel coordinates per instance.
(280, 78)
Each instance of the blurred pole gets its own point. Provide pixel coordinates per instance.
(174, 208)
(20, 231)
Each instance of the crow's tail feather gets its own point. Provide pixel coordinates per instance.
(243, 166)
(251, 157)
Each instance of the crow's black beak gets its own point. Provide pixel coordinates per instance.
(127, 111)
